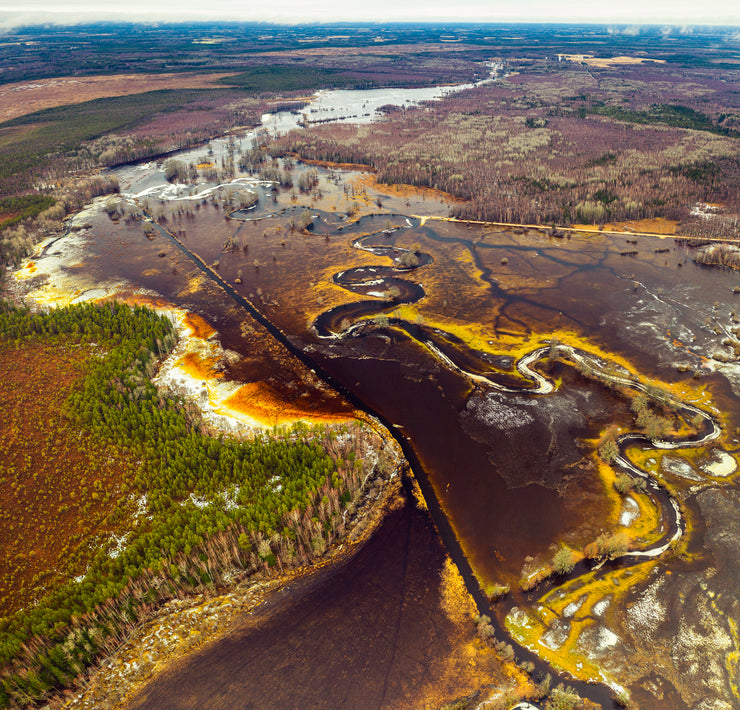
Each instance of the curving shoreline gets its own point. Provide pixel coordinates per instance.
(187, 624)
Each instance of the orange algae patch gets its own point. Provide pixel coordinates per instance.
(198, 326)
(339, 166)
(654, 226)
(27, 271)
(680, 344)
(657, 225)
(370, 180)
(200, 368)
(262, 403)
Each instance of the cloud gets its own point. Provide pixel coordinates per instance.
(631, 31)
(627, 16)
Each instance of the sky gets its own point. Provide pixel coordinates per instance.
(674, 12)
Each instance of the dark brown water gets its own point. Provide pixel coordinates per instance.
(369, 633)
(510, 470)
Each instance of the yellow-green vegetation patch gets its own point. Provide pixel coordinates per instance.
(732, 660)
(645, 525)
(472, 334)
(688, 467)
(553, 626)
(324, 293)
(689, 390)
(650, 460)
(553, 639)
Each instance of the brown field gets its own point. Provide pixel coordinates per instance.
(25, 97)
(57, 484)
(370, 180)
(340, 166)
(656, 225)
(381, 49)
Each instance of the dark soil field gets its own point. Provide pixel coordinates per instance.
(23, 97)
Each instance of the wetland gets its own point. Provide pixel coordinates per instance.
(566, 401)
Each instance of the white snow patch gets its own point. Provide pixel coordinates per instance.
(178, 191)
(722, 464)
(119, 543)
(200, 501)
(496, 414)
(679, 466)
(556, 635)
(141, 506)
(92, 294)
(704, 210)
(573, 607)
(630, 512)
(647, 613)
(606, 639)
(518, 617)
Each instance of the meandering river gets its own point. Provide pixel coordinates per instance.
(496, 358)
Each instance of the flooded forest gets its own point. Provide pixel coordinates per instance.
(410, 394)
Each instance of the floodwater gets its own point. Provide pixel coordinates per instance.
(367, 633)
(353, 106)
(421, 322)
